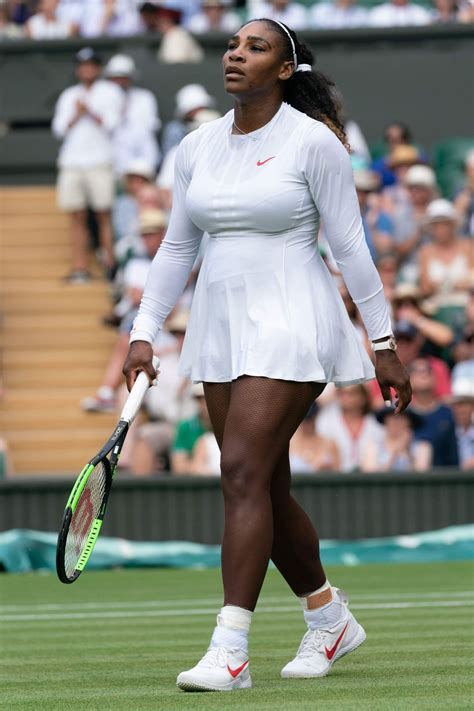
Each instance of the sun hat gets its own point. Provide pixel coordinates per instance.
(88, 54)
(178, 322)
(140, 166)
(366, 180)
(152, 220)
(441, 210)
(403, 155)
(120, 65)
(462, 390)
(192, 97)
(420, 175)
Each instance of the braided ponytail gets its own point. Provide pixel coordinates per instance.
(312, 93)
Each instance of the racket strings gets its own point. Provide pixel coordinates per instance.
(85, 513)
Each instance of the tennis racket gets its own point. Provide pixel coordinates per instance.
(85, 508)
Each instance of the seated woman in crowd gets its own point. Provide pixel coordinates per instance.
(311, 452)
(398, 450)
(446, 265)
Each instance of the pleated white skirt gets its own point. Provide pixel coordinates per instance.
(268, 306)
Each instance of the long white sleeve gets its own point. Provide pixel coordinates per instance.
(329, 174)
(174, 260)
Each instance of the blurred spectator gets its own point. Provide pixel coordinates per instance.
(189, 100)
(177, 45)
(399, 13)
(463, 349)
(165, 178)
(110, 17)
(292, 14)
(47, 24)
(19, 11)
(139, 175)
(395, 134)
(152, 230)
(437, 420)
(398, 450)
(188, 433)
(214, 16)
(466, 11)
(6, 465)
(71, 11)
(462, 403)
(85, 117)
(359, 147)
(311, 452)
(447, 264)
(149, 16)
(338, 14)
(206, 457)
(446, 11)
(378, 226)
(408, 306)
(387, 264)
(8, 28)
(135, 136)
(409, 220)
(349, 422)
(464, 200)
(411, 344)
(400, 160)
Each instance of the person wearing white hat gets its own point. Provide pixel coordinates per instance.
(190, 99)
(85, 118)
(136, 134)
(410, 227)
(447, 264)
(462, 403)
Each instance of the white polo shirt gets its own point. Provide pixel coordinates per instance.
(389, 15)
(135, 134)
(87, 143)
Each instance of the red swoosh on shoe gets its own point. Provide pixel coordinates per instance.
(331, 652)
(236, 672)
(262, 162)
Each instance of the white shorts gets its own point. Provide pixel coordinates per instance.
(78, 188)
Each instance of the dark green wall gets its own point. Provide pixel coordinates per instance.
(422, 76)
(343, 506)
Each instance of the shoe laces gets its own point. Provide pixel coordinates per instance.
(215, 656)
(312, 642)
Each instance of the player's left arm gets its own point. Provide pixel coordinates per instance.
(328, 171)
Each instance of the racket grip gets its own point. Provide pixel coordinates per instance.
(137, 393)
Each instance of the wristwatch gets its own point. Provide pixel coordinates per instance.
(389, 345)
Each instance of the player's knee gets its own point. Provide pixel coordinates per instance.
(239, 476)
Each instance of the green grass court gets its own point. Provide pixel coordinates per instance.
(116, 640)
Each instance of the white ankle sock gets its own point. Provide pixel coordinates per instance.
(325, 617)
(233, 626)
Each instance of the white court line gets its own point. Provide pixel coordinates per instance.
(211, 611)
(111, 605)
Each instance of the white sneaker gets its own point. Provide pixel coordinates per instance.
(320, 648)
(220, 669)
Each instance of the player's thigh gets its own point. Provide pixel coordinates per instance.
(262, 416)
(71, 192)
(217, 401)
(100, 187)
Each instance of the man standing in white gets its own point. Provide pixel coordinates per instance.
(135, 135)
(85, 118)
(399, 13)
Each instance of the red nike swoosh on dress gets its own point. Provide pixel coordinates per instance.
(262, 162)
(236, 672)
(331, 652)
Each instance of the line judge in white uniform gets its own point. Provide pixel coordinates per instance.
(268, 328)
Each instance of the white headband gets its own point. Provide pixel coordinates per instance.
(298, 67)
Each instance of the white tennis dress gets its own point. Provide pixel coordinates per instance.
(265, 303)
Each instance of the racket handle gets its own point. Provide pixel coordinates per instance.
(137, 393)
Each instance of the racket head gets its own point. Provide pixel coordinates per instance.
(83, 519)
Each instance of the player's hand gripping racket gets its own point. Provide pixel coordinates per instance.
(85, 508)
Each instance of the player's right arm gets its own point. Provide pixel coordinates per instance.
(168, 274)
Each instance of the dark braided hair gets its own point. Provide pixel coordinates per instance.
(312, 93)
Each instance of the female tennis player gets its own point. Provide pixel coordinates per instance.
(268, 328)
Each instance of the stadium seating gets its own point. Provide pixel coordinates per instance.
(448, 162)
(54, 346)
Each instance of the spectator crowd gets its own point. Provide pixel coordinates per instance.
(116, 165)
(178, 20)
